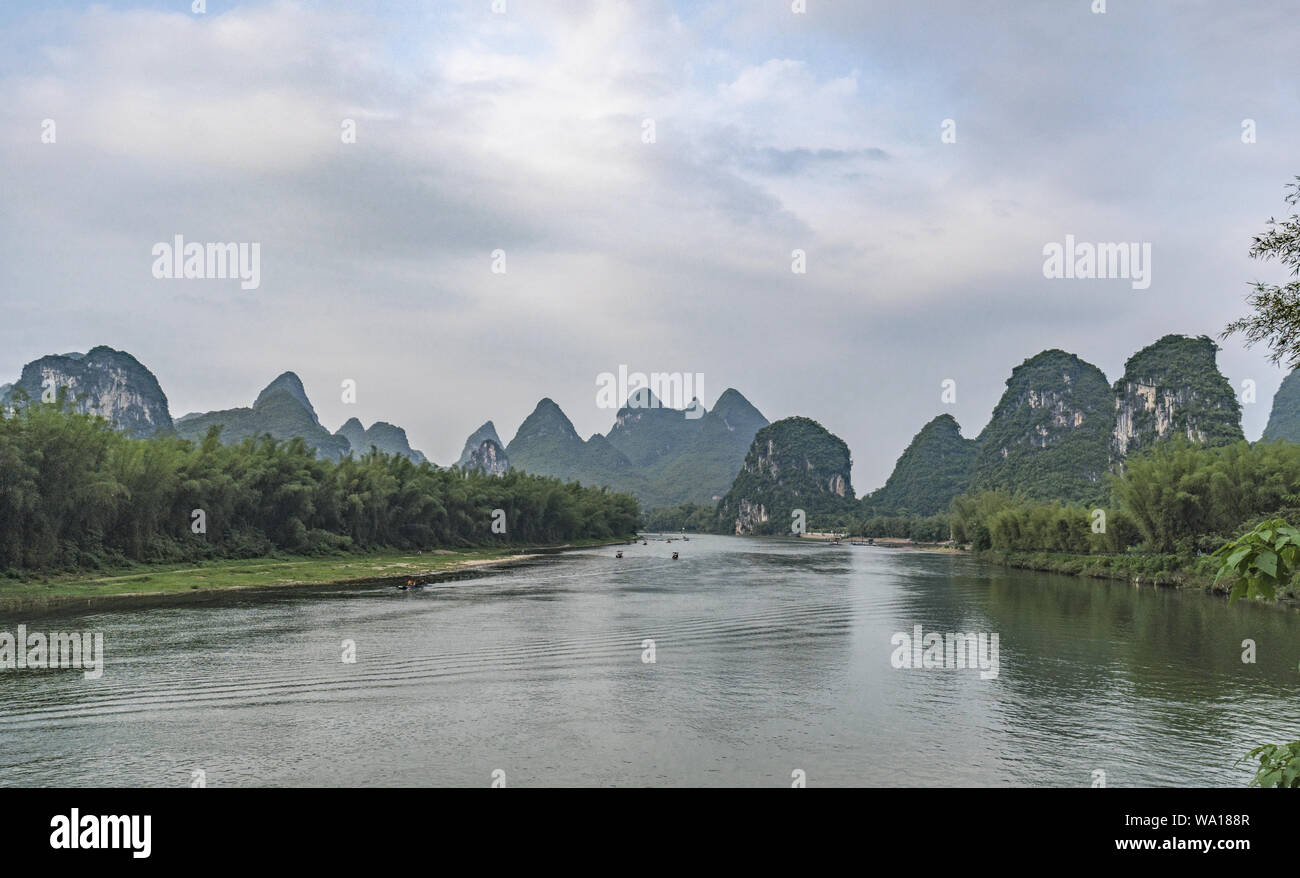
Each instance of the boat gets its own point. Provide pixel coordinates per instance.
(412, 585)
(618, 554)
(674, 556)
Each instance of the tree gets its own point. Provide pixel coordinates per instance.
(1276, 320)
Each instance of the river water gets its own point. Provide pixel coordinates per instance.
(772, 661)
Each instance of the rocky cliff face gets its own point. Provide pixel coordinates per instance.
(474, 446)
(489, 457)
(1174, 388)
(1284, 418)
(794, 463)
(105, 382)
(934, 468)
(1050, 432)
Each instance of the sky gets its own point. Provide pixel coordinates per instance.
(527, 131)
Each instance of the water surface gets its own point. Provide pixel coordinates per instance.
(770, 657)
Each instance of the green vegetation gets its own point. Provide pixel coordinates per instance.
(472, 455)
(1049, 436)
(278, 413)
(1167, 519)
(920, 529)
(1276, 317)
(934, 468)
(274, 570)
(1284, 417)
(694, 517)
(795, 463)
(77, 495)
(382, 436)
(101, 381)
(704, 467)
(1174, 389)
(1259, 561)
(1279, 767)
(1186, 498)
(654, 452)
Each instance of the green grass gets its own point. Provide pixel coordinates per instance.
(162, 579)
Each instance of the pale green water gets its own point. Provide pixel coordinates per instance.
(770, 657)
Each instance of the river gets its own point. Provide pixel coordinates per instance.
(771, 663)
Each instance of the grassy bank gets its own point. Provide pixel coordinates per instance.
(1143, 569)
(144, 583)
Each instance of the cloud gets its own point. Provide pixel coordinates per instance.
(525, 132)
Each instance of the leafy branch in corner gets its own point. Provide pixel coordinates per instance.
(1260, 560)
(1276, 317)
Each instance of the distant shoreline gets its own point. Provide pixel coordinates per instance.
(888, 543)
(146, 587)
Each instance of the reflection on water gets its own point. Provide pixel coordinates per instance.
(770, 656)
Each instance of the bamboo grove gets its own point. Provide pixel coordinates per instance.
(76, 494)
(1178, 498)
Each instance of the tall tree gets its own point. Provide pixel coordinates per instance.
(1276, 317)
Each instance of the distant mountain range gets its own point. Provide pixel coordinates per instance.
(117, 386)
(1059, 427)
(652, 451)
(656, 453)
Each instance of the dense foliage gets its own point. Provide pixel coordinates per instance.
(920, 529)
(794, 463)
(1258, 561)
(694, 517)
(1178, 499)
(1049, 436)
(934, 468)
(1180, 492)
(1279, 767)
(1284, 417)
(1007, 522)
(1173, 388)
(74, 493)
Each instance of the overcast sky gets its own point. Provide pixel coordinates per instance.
(523, 131)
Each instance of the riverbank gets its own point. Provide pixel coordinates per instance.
(886, 542)
(152, 585)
